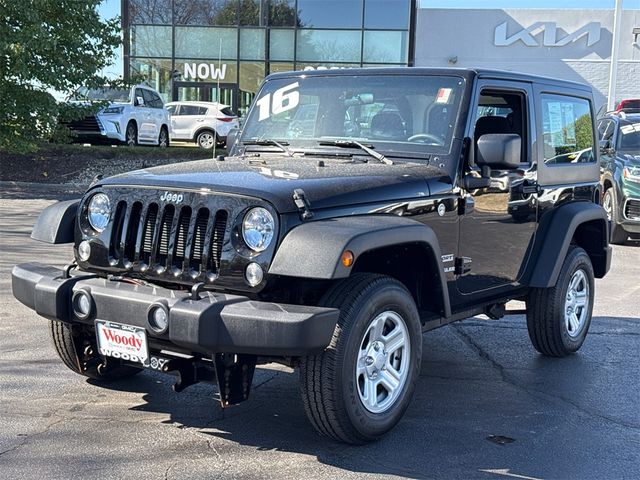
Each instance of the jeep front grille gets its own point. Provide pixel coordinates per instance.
(632, 209)
(172, 241)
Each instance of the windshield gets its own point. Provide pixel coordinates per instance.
(106, 93)
(391, 113)
(630, 137)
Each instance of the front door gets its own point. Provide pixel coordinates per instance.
(498, 225)
(205, 92)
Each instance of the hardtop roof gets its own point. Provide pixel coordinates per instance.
(467, 73)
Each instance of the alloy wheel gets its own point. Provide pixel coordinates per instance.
(576, 305)
(383, 362)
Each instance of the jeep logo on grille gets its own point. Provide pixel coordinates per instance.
(171, 197)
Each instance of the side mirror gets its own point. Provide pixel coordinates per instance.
(501, 151)
(139, 102)
(232, 138)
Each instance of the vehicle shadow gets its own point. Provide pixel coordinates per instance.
(466, 395)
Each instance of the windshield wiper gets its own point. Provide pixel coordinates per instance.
(353, 144)
(262, 141)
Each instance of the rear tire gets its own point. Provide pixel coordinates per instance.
(206, 139)
(558, 317)
(360, 386)
(618, 235)
(64, 338)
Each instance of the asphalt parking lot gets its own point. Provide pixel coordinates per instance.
(577, 417)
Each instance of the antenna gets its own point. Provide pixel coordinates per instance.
(215, 132)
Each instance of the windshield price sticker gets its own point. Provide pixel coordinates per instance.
(284, 99)
(444, 94)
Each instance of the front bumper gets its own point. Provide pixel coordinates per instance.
(215, 323)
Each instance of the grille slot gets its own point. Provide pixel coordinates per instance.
(168, 240)
(632, 210)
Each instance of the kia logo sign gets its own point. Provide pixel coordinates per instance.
(549, 39)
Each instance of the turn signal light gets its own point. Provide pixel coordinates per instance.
(347, 258)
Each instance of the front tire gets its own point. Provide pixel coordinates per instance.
(163, 138)
(558, 317)
(360, 386)
(618, 235)
(65, 338)
(131, 134)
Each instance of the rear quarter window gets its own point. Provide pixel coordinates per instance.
(567, 128)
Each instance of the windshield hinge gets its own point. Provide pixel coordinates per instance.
(304, 207)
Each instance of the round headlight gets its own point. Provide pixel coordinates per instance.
(258, 228)
(99, 212)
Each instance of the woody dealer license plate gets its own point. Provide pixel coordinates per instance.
(125, 342)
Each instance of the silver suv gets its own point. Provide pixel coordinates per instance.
(134, 116)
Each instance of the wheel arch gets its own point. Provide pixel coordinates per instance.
(203, 129)
(583, 224)
(399, 247)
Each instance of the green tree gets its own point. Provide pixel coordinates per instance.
(48, 44)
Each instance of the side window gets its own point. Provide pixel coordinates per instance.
(189, 110)
(502, 112)
(606, 129)
(140, 94)
(172, 109)
(151, 99)
(567, 130)
(157, 101)
(202, 110)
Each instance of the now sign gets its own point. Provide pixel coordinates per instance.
(204, 71)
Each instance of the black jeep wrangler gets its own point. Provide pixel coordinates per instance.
(356, 210)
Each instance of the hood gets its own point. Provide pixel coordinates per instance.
(340, 182)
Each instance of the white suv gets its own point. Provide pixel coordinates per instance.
(134, 116)
(201, 122)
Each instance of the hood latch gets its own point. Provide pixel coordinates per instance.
(304, 207)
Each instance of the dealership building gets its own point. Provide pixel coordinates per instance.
(223, 49)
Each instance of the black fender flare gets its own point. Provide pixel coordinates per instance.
(583, 222)
(314, 249)
(56, 223)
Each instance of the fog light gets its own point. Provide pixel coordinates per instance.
(253, 274)
(159, 318)
(82, 304)
(84, 250)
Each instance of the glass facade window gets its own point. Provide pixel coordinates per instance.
(150, 41)
(282, 13)
(387, 14)
(281, 45)
(253, 12)
(203, 42)
(205, 12)
(145, 12)
(156, 72)
(385, 46)
(329, 45)
(176, 44)
(252, 42)
(330, 13)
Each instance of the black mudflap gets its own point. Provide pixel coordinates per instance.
(235, 374)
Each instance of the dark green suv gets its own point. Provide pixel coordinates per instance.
(620, 166)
